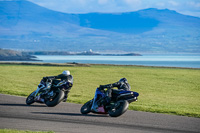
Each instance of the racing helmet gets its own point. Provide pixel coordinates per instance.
(124, 85)
(123, 80)
(66, 72)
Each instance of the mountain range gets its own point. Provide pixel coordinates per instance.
(27, 26)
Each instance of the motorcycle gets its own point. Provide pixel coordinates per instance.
(46, 93)
(114, 106)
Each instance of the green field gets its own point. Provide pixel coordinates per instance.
(21, 131)
(162, 90)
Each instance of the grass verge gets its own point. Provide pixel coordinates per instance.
(162, 90)
(21, 131)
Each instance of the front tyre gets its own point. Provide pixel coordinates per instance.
(57, 97)
(86, 108)
(118, 108)
(30, 99)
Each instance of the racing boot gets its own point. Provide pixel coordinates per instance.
(65, 98)
(94, 107)
(39, 99)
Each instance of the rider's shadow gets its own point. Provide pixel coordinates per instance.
(72, 114)
(24, 105)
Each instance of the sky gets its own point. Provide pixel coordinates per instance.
(187, 7)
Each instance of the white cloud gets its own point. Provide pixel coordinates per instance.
(173, 3)
(194, 4)
(102, 2)
(160, 4)
(132, 1)
(132, 4)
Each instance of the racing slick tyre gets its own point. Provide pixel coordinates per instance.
(57, 97)
(86, 108)
(30, 99)
(118, 108)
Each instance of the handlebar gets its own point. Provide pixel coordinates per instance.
(109, 86)
(46, 79)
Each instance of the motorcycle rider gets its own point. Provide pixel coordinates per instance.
(66, 82)
(122, 84)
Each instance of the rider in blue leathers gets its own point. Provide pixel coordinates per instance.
(122, 84)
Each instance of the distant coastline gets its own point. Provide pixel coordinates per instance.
(90, 52)
(12, 55)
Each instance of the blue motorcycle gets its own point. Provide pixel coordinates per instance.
(115, 105)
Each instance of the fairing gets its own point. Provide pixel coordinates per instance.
(97, 97)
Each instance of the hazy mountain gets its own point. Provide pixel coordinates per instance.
(24, 25)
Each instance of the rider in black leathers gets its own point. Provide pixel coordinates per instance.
(122, 84)
(66, 82)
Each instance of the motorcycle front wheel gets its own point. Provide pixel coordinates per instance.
(57, 97)
(86, 108)
(118, 108)
(30, 99)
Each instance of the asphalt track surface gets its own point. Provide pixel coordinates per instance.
(66, 118)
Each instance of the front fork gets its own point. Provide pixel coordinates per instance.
(36, 92)
(39, 96)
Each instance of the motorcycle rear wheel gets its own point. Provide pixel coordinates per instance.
(86, 108)
(118, 108)
(30, 99)
(59, 96)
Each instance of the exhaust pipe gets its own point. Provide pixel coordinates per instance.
(126, 94)
(132, 99)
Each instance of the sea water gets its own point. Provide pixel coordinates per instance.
(172, 60)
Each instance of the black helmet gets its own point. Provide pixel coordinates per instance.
(124, 84)
(123, 80)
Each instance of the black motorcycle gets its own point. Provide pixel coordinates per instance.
(46, 93)
(114, 106)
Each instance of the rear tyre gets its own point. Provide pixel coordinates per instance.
(56, 99)
(118, 108)
(86, 108)
(30, 99)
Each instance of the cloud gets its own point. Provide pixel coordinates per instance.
(102, 2)
(132, 1)
(194, 4)
(132, 4)
(173, 3)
